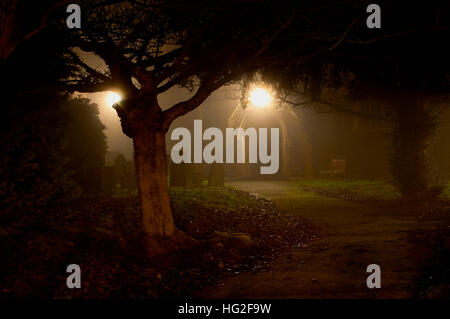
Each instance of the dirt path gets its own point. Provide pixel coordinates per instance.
(352, 236)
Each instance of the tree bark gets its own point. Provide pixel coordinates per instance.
(411, 137)
(142, 121)
(150, 159)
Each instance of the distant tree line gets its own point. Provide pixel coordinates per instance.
(46, 136)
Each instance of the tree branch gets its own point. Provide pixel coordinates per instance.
(343, 35)
(93, 72)
(335, 107)
(383, 37)
(86, 87)
(43, 24)
(205, 89)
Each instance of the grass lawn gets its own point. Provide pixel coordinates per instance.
(359, 190)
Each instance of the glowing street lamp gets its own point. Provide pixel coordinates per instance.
(260, 98)
(113, 98)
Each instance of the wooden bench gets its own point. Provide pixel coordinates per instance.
(338, 169)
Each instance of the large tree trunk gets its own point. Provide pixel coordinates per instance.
(150, 159)
(143, 121)
(415, 125)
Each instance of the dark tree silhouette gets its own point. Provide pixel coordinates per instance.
(152, 46)
(403, 66)
(22, 21)
(86, 141)
(34, 161)
(38, 136)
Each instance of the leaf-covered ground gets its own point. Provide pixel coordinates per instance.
(435, 280)
(37, 246)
